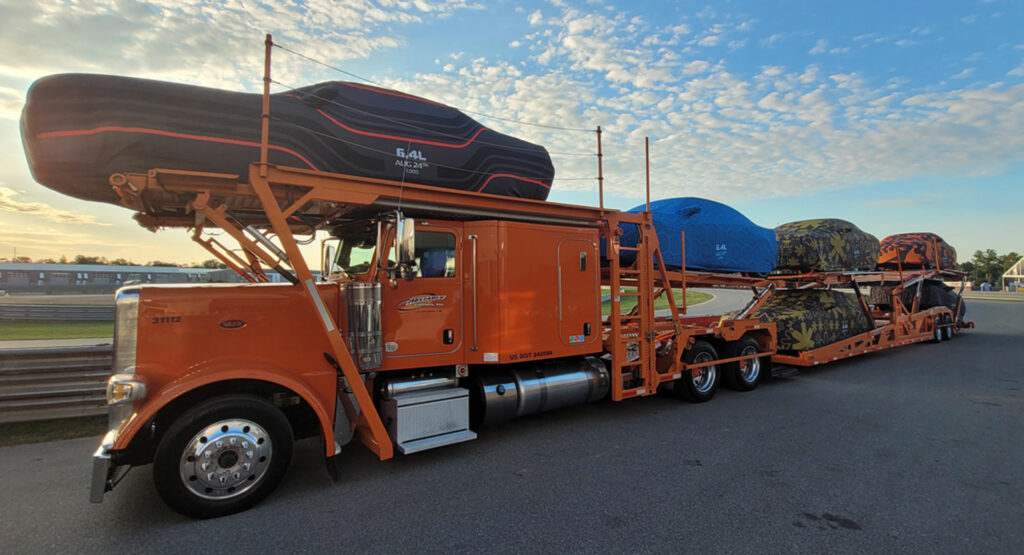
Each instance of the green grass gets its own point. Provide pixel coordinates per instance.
(53, 329)
(692, 298)
(20, 433)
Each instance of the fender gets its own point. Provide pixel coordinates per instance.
(226, 371)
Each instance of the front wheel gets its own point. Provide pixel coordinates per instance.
(703, 387)
(222, 456)
(744, 375)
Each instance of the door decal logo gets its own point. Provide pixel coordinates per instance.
(232, 324)
(426, 301)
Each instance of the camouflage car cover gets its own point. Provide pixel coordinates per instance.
(826, 245)
(812, 318)
(913, 251)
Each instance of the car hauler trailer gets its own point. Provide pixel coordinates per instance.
(462, 309)
(902, 321)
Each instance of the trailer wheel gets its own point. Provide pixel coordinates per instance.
(222, 456)
(745, 375)
(937, 330)
(703, 387)
(947, 332)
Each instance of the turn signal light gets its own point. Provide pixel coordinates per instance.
(123, 389)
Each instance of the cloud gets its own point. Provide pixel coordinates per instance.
(774, 39)
(207, 42)
(820, 47)
(964, 74)
(1017, 71)
(11, 101)
(8, 203)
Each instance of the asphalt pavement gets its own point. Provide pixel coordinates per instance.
(917, 449)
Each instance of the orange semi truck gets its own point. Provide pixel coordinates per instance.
(437, 312)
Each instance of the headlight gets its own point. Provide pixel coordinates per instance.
(126, 327)
(123, 388)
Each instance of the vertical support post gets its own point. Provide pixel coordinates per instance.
(935, 250)
(370, 427)
(265, 129)
(682, 252)
(600, 171)
(647, 170)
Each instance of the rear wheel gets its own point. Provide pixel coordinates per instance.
(937, 329)
(947, 331)
(745, 375)
(222, 456)
(703, 387)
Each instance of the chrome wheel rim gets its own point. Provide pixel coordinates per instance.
(708, 374)
(938, 329)
(226, 459)
(750, 369)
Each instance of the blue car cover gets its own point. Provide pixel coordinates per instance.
(718, 238)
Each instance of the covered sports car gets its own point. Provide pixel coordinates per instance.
(79, 129)
(826, 245)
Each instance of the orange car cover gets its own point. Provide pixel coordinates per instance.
(915, 251)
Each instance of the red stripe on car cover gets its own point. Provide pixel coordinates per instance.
(397, 138)
(481, 189)
(396, 93)
(114, 129)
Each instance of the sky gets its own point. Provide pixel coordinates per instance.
(899, 116)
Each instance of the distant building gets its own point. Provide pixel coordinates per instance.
(88, 278)
(231, 277)
(1013, 279)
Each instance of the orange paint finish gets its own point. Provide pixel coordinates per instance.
(194, 335)
(536, 290)
(416, 314)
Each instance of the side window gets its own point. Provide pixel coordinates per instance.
(435, 254)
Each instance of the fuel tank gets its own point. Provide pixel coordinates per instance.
(500, 394)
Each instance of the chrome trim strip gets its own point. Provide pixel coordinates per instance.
(475, 347)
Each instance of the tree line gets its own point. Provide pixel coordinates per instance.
(988, 266)
(212, 263)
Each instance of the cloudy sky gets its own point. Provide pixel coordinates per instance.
(893, 115)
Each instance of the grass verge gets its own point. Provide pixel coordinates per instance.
(21, 433)
(53, 329)
(692, 298)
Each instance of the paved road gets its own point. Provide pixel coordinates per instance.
(914, 450)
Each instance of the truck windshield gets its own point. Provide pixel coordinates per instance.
(355, 252)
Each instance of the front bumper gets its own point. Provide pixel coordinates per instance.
(105, 474)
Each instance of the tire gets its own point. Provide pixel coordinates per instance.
(747, 374)
(702, 388)
(246, 441)
(947, 332)
(937, 330)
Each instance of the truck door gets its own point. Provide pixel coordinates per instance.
(579, 309)
(423, 317)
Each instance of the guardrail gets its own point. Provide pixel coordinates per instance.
(56, 312)
(53, 382)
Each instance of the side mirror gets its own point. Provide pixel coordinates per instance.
(328, 252)
(406, 244)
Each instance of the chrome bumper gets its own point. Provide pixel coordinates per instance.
(101, 469)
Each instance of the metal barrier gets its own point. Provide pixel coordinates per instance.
(56, 312)
(53, 382)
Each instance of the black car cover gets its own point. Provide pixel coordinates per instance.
(79, 129)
